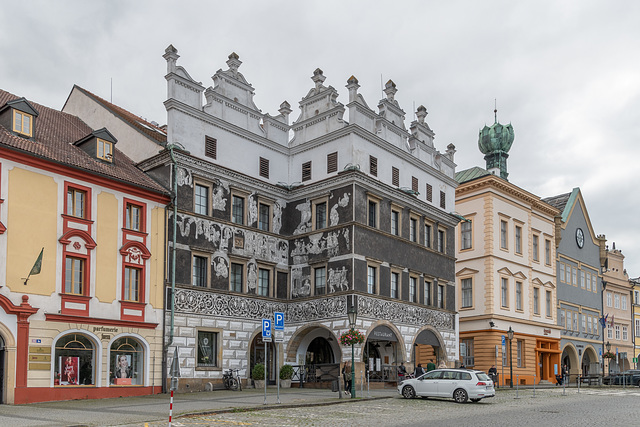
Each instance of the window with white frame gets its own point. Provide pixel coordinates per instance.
(427, 292)
(504, 292)
(395, 222)
(535, 239)
(574, 272)
(561, 275)
(616, 300)
(413, 229)
(547, 252)
(440, 296)
(609, 332)
(623, 302)
(237, 209)
(594, 283)
(609, 299)
(201, 199)
(548, 303)
(595, 326)
(588, 324)
(519, 296)
(636, 297)
(617, 329)
(320, 281)
(588, 279)
(371, 279)
(236, 273)
(503, 234)
(465, 235)
(413, 285)
(536, 300)
(518, 239)
(264, 216)
(520, 359)
(264, 279)
(466, 286)
(625, 333)
(582, 279)
(395, 281)
(569, 323)
(320, 214)
(576, 326)
(568, 276)
(584, 323)
(199, 271)
(561, 318)
(637, 327)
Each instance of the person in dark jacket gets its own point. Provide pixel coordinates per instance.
(419, 370)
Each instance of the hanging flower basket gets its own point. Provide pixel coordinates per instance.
(352, 336)
(609, 355)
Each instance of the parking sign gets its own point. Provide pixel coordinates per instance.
(266, 328)
(279, 321)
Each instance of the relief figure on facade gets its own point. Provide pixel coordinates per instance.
(219, 202)
(333, 216)
(300, 285)
(227, 234)
(305, 220)
(316, 244)
(333, 245)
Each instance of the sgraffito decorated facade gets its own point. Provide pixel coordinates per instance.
(348, 212)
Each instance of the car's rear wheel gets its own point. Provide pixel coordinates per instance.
(460, 395)
(638, 383)
(408, 392)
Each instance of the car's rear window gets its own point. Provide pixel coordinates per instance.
(482, 376)
(465, 375)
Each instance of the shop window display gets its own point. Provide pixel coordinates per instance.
(74, 359)
(126, 362)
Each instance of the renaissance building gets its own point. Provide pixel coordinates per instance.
(342, 207)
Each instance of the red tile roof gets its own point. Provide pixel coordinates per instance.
(55, 132)
(152, 131)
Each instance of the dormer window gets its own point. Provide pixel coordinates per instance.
(105, 150)
(22, 123)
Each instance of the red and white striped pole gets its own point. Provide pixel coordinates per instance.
(171, 408)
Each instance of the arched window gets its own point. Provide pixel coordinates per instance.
(75, 357)
(126, 359)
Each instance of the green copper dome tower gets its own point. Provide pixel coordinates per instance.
(495, 142)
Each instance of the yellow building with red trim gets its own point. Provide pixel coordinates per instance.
(86, 322)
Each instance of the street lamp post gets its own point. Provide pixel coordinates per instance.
(510, 336)
(609, 363)
(353, 315)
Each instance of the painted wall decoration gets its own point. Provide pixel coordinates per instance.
(338, 279)
(253, 209)
(223, 238)
(278, 206)
(207, 303)
(252, 276)
(333, 216)
(319, 243)
(300, 283)
(403, 313)
(218, 201)
(184, 177)
(305, 220)
(220, 262)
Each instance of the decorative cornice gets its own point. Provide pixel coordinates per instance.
(397, 312)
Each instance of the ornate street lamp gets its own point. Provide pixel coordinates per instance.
(510, 336)
(353, 315)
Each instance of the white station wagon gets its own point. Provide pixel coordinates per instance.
(457, 384)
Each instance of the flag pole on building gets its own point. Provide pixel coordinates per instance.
(36, 267)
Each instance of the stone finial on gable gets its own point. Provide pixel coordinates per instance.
(171, 56)
(234, 62)
(421, 113)
(390, 90)
(451, 150)
(285, 110)
(318, 78)
(352, 86)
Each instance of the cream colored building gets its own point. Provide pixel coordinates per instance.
(617, 307)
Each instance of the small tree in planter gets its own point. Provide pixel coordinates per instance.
(286, 372)
(258, 375)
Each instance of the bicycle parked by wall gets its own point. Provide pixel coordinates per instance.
(231, 381)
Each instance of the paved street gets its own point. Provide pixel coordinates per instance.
(550, 407)
(308, 407)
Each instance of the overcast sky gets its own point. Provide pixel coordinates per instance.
(566, 74)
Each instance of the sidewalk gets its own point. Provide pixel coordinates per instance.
(138, 410)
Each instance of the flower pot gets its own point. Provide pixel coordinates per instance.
(258, 383)
(285, 383)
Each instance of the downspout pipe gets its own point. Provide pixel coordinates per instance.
(173, 243)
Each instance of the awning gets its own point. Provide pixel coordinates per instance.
(428, 338)
(383, 333)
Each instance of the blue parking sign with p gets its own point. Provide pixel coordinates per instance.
(279, 321)
(266, 328)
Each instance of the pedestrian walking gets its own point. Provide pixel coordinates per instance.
(402, 371)
(346, 377)
(431, 366)
(419, 370)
